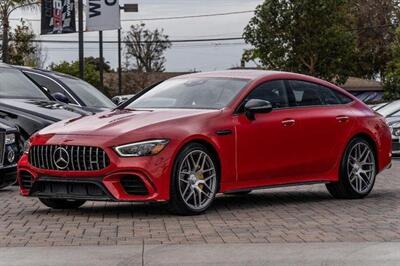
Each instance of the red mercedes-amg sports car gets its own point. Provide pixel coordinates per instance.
(186, 139)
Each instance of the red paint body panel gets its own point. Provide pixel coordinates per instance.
(258, 153)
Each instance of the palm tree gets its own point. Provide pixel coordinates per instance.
(6, 8)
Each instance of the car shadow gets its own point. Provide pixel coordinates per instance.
(223, 203)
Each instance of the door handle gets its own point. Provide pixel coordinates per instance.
(288, 122)
(342, 118)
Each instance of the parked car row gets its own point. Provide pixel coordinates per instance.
(391, 112)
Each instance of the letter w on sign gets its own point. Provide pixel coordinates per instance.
(102, 15)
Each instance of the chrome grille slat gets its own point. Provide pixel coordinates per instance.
(77, 158)
(97, 158)
(51, 158)
(2, 147)
(81, 158)
(72, 158)
(38, 157)
(47, 156)
(84, 158)
(90, 158)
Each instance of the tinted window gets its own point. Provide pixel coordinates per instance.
(342, 98)
(87, 93)
(310, 94)
(14, 84)
(208, 93)
(273, 92)
(51, 86)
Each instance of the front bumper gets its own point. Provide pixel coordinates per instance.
(396, 146)
(8, 175)
(138, 179)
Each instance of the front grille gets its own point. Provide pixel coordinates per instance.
(2, 147)
(133, 185)
(68, 158)
(70, 189)
(26, 179)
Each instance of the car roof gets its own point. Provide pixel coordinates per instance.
(45, 72)
(240, 74)
(253, 75)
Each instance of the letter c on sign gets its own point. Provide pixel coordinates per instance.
(110, 2)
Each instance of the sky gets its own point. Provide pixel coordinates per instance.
(181, 57)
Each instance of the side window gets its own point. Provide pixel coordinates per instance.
(50, 85)
(273, 92)
(343, 98)
(309, 94)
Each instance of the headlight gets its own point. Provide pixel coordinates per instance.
(10, 139)
(395, 128)
(27, 146)
(145, 148)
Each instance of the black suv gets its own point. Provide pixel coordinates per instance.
(9, 153)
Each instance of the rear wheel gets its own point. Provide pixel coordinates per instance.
(62, 203)
(194, 182)
(357, 171)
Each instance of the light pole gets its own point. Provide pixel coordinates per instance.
(127, 8)
(80, 29)
(101, 66)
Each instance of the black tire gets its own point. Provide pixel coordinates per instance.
(239, 193)
(343, 189)
(176, 204)
(62, 203)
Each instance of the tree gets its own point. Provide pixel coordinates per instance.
(391, 82)
(147, 48)
(96, 62)
(22, 50)
(374, 24)
(305, 36)
(6, 8)
(91, 74)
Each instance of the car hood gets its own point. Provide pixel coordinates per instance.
(8, 126)
(46, 109)
(392, 120)
(119, 122)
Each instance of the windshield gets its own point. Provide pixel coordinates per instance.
(389, 109)
(14, 84)
(91, 96)
(191, 93)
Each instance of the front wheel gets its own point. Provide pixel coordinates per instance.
(62, 203)
(358, 170)
(194, 182)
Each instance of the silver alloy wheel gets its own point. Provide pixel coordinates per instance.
(197, 179)
(361, 168)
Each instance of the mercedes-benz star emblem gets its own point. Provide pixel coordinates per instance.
(61, 158)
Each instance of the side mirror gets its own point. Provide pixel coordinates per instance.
(255, 106)
(60, 97)
(116, 100)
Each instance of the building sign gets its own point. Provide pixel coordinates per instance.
(58, 16)
(102, 15)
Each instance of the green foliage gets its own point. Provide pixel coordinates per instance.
(392, 77)
(374, 23)
(304, 36)
(91, 73)
(96, 62)
(6, 8)
(147, 48)
(22, 51)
